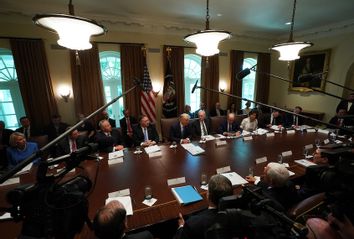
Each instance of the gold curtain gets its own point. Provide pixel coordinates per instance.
(262, 80)
(210, 79)
(236, 62)
(34, 80)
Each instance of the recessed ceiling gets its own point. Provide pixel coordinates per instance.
(244, 17)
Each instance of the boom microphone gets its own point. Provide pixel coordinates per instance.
(245, 72)
(194, 87)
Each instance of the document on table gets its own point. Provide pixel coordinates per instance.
(304, 162)
(235, 178)
(152, 149)
(193, 149)
(126, 201)
(115, 154)
(24, 170)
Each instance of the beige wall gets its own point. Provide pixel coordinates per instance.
(342, 57)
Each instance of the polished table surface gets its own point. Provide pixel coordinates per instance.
(137, 171)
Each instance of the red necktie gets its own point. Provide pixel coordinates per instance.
(129, 126)
(73, 146)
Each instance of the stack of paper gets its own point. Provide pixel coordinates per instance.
(304, 162)
(152, 149)
(186, 194)
(260, 131)
(235, 178)
(193, 149)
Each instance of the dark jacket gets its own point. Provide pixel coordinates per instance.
(138, 134)
(176, 134)
(223, 127)
(52, 132)
(289, 120)
(33, 132)
(344, 105)
(63, 147)
(196, 130)
(213, 112)
(265, 120)
(106, 143)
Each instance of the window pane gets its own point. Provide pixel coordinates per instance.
(249, 82)
(192, 73)
(7, 108)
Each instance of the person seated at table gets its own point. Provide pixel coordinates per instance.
(71, 143)
(20, 149)
(110, 222)
(230, 127)
(86, 126)
(268, 120)
(294, 120)
(217, 111)
(340, 121)
(26, 128)
(250, 123)
(145, 134)
(347, 104)
(201, 127)
(127, 123)
(276, 185)
(247, 110)
(4, 143)
(108, 140)
(196, 226)
(181, 131)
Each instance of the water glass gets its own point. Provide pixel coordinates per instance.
(148, 192)
(305, 152)
(280, 158)
(203, 179)
(250, 171)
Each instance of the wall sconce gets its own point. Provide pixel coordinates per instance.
(156, 88)
(64, 93)
(222, 86)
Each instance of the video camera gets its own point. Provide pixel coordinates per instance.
(49, 209)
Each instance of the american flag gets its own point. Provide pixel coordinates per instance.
(147, 97)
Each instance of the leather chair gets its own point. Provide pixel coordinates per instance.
(41, 140)
(215, 123)
(165, 127)
(306, 206)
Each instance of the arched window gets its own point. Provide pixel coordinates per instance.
(192, 73)
(112, 82)
(249, 82)
(11, 105)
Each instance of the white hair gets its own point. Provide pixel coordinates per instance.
(278, 174)
(185, 115)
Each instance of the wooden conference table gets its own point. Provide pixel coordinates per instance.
(137, 171)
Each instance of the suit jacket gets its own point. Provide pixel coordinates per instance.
(213, 112)
(139, 235)
(138, 134)
(123, 124)
(196, 226)
(265, 120)
(289, 120)
(33, 132)
(106, 143)
(223, 127)
(196, 130)
(344, 105)
(63, 147)
(51, 131)
(6, 136)
(176, 135)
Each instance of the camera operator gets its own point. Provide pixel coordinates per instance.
(196, 226)
(276, 185)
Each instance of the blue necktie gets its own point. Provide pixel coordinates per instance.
(145, 135)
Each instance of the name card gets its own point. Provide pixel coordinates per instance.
(152, 149)
(309, 146)
(155, 154)
(290, 131)
(223, 170)
(322, 131)
(219, 143)
(247, 138)
(326, 141)
(120, 193)
(311, 131)
(115, 161)
(174, 181)
(270, 134)
(11, 181)
(115, 154)
(261, 160)
(287, 153)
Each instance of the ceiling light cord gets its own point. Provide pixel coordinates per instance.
(292, 23)
(207, 16)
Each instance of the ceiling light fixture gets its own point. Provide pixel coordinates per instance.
(289, 50)
(207, 40)
(74, 32)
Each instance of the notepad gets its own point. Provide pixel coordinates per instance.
(186, 194)
(235, 178)
(304, 162)
(193, 149)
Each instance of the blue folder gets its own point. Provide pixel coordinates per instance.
(186, 194)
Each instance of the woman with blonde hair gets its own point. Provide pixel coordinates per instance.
(20, 149)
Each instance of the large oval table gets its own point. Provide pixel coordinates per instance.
(137, 171)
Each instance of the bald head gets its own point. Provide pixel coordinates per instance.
(231, 118)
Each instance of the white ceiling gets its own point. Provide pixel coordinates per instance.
(252, 18)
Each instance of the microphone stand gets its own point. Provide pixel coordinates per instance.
(276, 108)
(40, 152)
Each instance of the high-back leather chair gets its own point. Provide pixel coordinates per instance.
(301, 209)
(165, 127)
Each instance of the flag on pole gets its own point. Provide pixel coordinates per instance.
(147, 97)
(169, 104)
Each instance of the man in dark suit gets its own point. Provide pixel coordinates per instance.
(110, 222)
(267, 120)
(202, 107)
(196, 226)
(230, 127)
(71, 143)
(217, 111)
(276, 185)
(26, 129)
(293, 120)
(347, 105)
(108, 140)
(127, 124)
(145, 134)
(4, 143)
(181, 131)
(201, 127)
(55, 128)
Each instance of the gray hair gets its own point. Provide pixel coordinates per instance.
(278, 174)
(184, 115)
(219, 186)
(13, 138)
